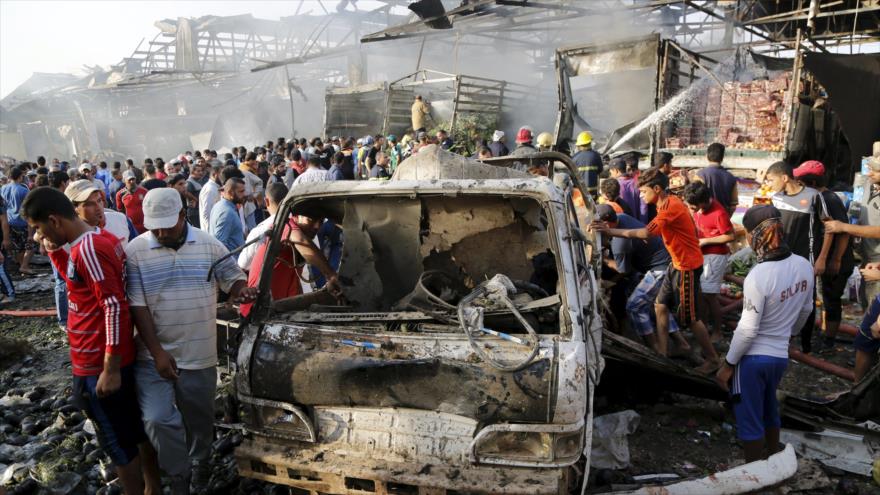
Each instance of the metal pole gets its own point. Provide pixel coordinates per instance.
(455, 104)
(419, 60)
(793, 93)
(662, 58)
(290, 96)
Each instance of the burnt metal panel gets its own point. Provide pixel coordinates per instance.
(315, 369)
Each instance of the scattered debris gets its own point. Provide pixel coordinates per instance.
(36, 283)
(849, 452)
(809, 476)
(610, 446)
(743, 479)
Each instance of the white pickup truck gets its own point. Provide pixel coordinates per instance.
(429, 377)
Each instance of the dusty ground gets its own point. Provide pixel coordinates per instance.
(676, 434)
(693, 437)
(46, 441)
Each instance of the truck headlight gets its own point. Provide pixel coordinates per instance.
(529, 445)
(516, 446)
(278, 419)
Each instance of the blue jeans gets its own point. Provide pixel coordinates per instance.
(640, 305)
(60, 297)
(6, 282)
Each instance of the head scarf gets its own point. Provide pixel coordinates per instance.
(768, 241)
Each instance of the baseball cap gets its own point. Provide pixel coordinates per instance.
(810, 167)
(392, 137)
(128, 174)
(31, 173)
(80, 190)
(162, 208)
(85, 166)
(606, 213)
(497, 135)
(757, 214)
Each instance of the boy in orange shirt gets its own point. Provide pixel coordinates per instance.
(681, 286)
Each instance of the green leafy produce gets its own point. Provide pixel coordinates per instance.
(741, 268)
(468, 128)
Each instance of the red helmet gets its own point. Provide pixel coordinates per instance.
(524, 135)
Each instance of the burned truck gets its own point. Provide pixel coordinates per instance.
(462, 356)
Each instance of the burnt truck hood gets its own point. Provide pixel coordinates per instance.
(322, 366)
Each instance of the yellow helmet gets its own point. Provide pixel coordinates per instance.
(545, 140)
(584, 139)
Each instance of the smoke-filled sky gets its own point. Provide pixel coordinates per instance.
(62, 36)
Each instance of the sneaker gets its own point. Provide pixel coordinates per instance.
(201, 477)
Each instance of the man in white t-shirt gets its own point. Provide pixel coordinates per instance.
(777, 300)
(275, 194)
(88, 201)
(209, 196)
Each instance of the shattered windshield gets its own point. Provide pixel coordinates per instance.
(417, 257)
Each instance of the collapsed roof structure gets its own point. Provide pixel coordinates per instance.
(223, 81)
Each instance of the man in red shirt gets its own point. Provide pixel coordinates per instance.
(99, 331)
(714, 231)
(130, 200)
(297, 235)
(681, 286)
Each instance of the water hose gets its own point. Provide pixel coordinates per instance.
(27, 312)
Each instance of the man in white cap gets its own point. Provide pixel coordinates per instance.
(497, 145)
(175, 313)
(87, 171)
(89, 206)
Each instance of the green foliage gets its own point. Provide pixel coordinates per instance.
(468, 128)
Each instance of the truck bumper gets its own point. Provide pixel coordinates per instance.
(313, 470)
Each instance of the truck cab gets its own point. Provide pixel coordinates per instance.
(421, 379)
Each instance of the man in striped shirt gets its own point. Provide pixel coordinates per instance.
(99, 331)
(174, 307)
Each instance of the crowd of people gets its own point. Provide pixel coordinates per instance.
(132, 246)
(668, 253)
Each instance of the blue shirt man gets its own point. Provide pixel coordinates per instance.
(114, 187)
(589, 165)
(636, 255)
(225, 224)
(103, 175)
(335, 172)
(13, 194)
